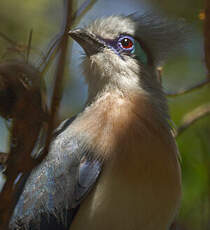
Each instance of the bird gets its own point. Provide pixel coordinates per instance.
(115, 165)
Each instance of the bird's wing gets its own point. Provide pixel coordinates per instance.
(54, 190)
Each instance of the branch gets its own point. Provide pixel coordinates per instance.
(190, 89)
(21, 83)
(20, 100)
(203, 110)
(20, 48)
(191, 117)
(199, 85)
(159, 74)
(56, 41)
(57, 91)
(29, 46)
(207, 35)
(83, 9)
(3, 158)
(6, 38)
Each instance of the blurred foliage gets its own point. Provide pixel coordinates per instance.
(17, 18)
(186, 8)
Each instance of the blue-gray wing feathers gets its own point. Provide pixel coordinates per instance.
(55, 189)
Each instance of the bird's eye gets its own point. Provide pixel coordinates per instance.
(126, 43)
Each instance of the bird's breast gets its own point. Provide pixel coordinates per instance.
(140, 185)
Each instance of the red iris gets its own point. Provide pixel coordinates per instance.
(126, 43)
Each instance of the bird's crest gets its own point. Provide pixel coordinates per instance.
(160, 36)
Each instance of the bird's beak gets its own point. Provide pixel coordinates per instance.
(89, 42)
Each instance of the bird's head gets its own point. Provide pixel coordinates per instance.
(123, 52)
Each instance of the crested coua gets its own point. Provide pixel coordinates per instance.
(115, 165)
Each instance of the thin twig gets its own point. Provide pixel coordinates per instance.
(3, 158)
(190, 89)
(6, 38)
(191, 117)
(55, 43)
(20, 139)
(57, 91)
(207, 35)
(83, 9)
(159, 74)
(29, 46)
(51, 50)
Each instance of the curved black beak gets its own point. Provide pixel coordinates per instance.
(89, 42)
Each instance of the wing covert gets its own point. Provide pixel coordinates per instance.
(55, 189)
